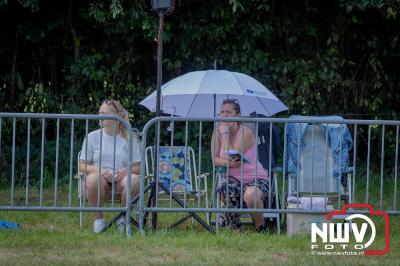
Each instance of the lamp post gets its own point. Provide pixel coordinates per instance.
(162, 7)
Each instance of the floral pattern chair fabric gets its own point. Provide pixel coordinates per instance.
(172, 170)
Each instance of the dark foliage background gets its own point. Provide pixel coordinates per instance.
(319, 57)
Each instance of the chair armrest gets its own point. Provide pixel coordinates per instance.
(280, 170)
(349, 169)
(150, 176)
(277, 170)
(291, 170)
(221, 169)
(197, 180)
(78, 175)
(203, 175)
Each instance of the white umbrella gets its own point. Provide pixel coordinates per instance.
(196, 93)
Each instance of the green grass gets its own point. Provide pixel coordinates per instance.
(55, 238)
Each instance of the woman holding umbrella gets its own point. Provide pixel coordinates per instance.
(230, 136)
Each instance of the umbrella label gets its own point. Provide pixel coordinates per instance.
(256, 92)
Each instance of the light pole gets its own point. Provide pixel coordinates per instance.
(162, 7)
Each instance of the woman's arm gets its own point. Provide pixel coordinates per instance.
(88, 166)
(105, 173)
(215, 149)
(243, 140)
(86, 161)
(123, 172)
(136, 168)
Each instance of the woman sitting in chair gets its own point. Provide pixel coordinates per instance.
(111, 133)
(234, 136)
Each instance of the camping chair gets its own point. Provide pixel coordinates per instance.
(110, 196)
(178, 177)
(220, 174)
(82, 192)
(317, 163)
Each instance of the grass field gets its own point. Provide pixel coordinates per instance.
(55, 238)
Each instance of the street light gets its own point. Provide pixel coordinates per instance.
(162, 7)
(165, 6)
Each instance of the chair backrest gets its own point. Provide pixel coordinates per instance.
(316, 163)
(176, 167)
(312, 159)
(263, 142)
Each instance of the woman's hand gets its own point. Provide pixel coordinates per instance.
(223, 128)
(107, 175)
(234, 162)
(120, 173)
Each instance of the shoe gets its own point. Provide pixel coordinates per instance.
(261, 229)
(99, 225)
(121, 224)
(271, 225)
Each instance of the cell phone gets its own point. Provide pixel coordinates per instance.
(234, 154)
(235, 157)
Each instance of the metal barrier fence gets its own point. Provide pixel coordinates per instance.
(358, 163)
(39, 162)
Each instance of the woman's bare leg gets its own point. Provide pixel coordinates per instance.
(122, 186)
(249, 195)
(92, 189)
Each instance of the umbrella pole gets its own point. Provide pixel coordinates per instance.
(215, 96)
(215, 104)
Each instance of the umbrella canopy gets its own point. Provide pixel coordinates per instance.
(193, 94)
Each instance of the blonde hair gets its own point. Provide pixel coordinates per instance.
(116, 108)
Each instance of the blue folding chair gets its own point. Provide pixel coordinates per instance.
(178, 177)
(318, 163)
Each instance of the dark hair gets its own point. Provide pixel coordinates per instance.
(234, 102)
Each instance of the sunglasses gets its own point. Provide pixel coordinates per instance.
(111, 102)
(230, 101)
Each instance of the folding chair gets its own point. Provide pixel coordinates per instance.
(178, 177)
(110, 197)
(82, 193)
(263, 146)
(317, 163)
(81, 189)
(220, 174)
